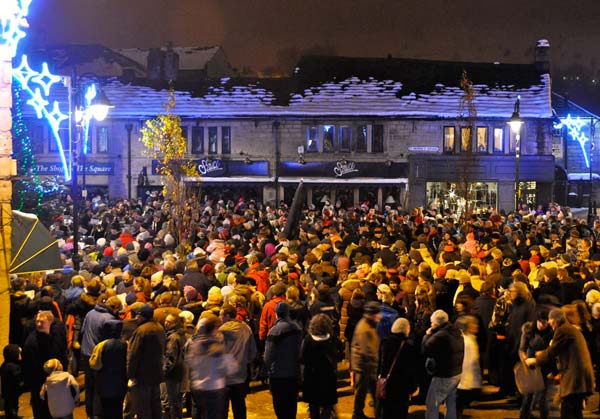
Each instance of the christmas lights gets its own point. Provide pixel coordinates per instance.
(575, 129)
(38, 86)
(13, 19)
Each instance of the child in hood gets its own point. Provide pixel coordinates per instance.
(11, 380)
(61, 390)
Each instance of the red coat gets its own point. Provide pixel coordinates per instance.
(268, 316)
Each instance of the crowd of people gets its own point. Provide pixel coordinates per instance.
(423, 306)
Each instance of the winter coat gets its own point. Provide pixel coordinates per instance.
(470, 377)
(111, 379)
(145, 353)
(404, 377)
(61, 390)
(216, 250)
(569, 348)
(364, 348)
(446, 346)
(282, 349)
(319, 378)
(208, 363)
(346, 290)
(267, 317)
(521, 311)
(11, 375)
(92, 327)
(173, 361)
(40, 347)
(239, 342)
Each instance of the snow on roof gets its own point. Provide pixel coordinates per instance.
(190, 58)
(436, 94)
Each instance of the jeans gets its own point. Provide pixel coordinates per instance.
(441, 390)
(209, 404)
(145, 401)
(285, 397)
(173, 399)
(236, 393)
(531, 399)
(363, 383)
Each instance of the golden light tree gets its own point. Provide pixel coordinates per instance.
(164, 142)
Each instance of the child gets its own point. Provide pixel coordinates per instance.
(61, 389)
(12, 380)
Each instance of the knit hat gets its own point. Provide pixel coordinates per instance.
(282, 309)
(190, 293)
(108, 251)
(372, 307)
(146, 311)
(440, 272)
(130, 298)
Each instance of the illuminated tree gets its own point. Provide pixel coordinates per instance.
(468, 113)
(164, 142)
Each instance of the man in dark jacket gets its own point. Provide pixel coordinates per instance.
(568, 346)
(282, 353)
(194, 277)
(444, 347)
(173, 367)
(145, 353)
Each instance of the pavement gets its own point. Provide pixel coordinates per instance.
(260, 406)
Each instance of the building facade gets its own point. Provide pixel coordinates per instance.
(383, 131)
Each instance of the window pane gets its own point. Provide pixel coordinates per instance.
(212, 140)
(345, 138)
(312, 139)
(377, 146)
(197, 140)
(512, 137)
(498, 140)
(449, 140)
(465, 138)
(102, 139)
(37, 139)
(328, 138)
(361, 138)
(225, 140)
(482, 139)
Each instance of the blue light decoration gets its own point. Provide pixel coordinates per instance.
(38, 85)
(13, 19)
(90, 94)
(575, 129)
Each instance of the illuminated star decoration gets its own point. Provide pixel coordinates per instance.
(13, 18)
(575, 128)
(38, 86)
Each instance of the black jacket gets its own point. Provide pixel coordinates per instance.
(446, 346)
(111, 379)
(404, 377)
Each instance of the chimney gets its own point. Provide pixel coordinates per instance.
(155, 58)
(542, 56)
(171, 64)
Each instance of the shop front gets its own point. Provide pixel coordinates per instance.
(345, 183)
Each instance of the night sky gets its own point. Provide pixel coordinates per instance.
(271, 34)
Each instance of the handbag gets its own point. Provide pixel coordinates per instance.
(380, 388)
(528, 380)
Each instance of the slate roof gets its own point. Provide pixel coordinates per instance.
(348, 87)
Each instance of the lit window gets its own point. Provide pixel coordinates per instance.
(482, 139)
(212, 140)
(449, 139)
(312, 139)
(498, 140)
(328, 138)
(197, 140)
(102, 139)
(465, 138)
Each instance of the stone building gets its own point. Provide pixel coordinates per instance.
(397, 131)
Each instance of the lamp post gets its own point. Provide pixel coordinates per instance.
(515, 123)
(591, 214)
(89, 103)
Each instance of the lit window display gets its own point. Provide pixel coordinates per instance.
(457, 197)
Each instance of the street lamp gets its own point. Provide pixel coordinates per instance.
(515, 123)
(89, 103)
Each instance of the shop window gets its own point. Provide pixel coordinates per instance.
(312, 139)
(449, 139)
(466, 139)
(197, 140)
(498, 140)
(345, 138)
(362, 133)
(102, 139)
(377, 144)
(225, 140)
(212, 140)
(328, 138)
(482, 139)
(64, 139)
(458, 197)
